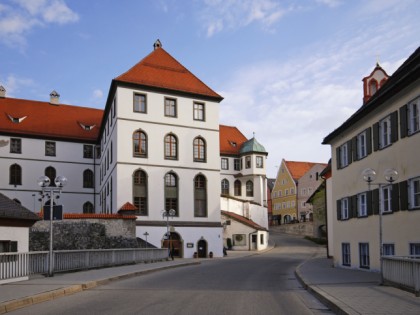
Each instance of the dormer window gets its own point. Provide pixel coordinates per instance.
(373, 87)
(16, 120)
(233, 144)
(87, 127)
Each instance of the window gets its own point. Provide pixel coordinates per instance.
(8, 247)
(224, 164)
(413, 116)
(170, 107)
(373, 86)
(361, 145)
(140, 103)
(239, 239)
(50, 148)
(225, 187)
(386, 205)
(15, 175)
(199, 150)
(88, 207)
(199, 111)
(200, 196)
(88, 181)
(364, 259)
(303, 191)
(345, 252)
(51, 173)
(247, 162)
(292, 191)
(385, 132)
(415, 249)
(171, 145)
(15, 145)
(237, 188)
(343, 209)
(139, 144)
(171, 192)
(237, 164)
(259, 162)
(140, 192)
(87, 151)
(414, 193)
(361, 205)
(388, 249)
(344, 155)
(286, 192)
(249, 189)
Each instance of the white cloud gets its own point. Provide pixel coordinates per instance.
(97, 94)
(329, 3)
(232, 14)
(19, 17)
(15, 85)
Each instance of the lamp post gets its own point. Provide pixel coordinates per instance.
(390, 175)
(34, 195)
(146, 235)
(44, 182)
(168, 213)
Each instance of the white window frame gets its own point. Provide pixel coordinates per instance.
(389, 249)
(362, 205)
(414, 249)
(344, 159)
(364, 256)
(385, 132)
(259, 162)
(414, 116)
(344, 208)
(361, 145)
(386, 198)
(224, 164)
(414, 192)
(345, 254)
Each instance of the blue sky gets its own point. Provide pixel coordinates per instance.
(288, 70)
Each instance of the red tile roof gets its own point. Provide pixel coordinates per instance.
(160, 70)
(298, 169)
(230, 139)
(74, 216)
(46, 120)
(243, 220)
(128, 207)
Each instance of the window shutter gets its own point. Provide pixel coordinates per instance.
(369, 141)
(369, 203)
(375, 201)
(394, 126)
(376, 136)
(404, 204)
(337, 155)
(349, 150)
(338, 209)
(13, 246)
(354, 148)
(395, 201)
(403, 121)
(353, 204)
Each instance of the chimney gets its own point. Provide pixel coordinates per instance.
(157, 44)
(2, 91)
(54, 98)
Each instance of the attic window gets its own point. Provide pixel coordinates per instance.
(16, 120)
(87, 127)
(233, 144)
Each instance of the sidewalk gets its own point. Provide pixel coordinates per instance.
(348, 291)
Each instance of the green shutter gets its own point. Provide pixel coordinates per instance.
(403, 121)
(354, 148)
(404, 204)
(337, 156)
(349, 152)
(375, 201)
(395, 201)
(369, 141)
(369, 203)
(394, 126)
(339, 210)
(376, 136)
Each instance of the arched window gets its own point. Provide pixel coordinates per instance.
(88, 207)
(171, 147)
(51, 174)
(237, 187)
(373, 86)
(139, 144)
(171, 192)
(140, 192)
(15, 175)
(200, 196)
(225, 187)
(88, 179)
(249, 189)
(199, 150)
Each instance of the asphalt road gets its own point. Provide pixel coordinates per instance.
(257, 284)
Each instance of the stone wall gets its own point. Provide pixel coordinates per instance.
(303, 228)
(84, 234)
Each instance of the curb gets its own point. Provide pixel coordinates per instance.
(13, 305)
(331, 302)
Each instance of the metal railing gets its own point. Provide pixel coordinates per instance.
(403, 272)
(18, 265)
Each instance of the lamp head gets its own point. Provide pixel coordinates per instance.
(172, 212)
(60, 181)
(43, 181)
(369, 175)
(390, 175)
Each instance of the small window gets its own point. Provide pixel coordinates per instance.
(247, 162)
(225, 187)
(249, 189)
(344, 208)
(140, 103)
(237, 164)
(199, 150)
(170, 107)
(386, 199)
(139, 144)
(199, 111)
(361, 205)
(413, 116)
(8, 246)
(385, 132)
(361, 145)
(224, 164)
(415, 249)
(344, 158)
(259, 162)
(239, 239)
(88, 180)
(88, 207)
(237, 188)
(50, 148)
(364, 258)
(389, 249)
(88, 151)
(51, 173)
(345, 252)
(171, 147)
(414, 193)
(15, 145)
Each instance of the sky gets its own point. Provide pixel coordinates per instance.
(290, 71)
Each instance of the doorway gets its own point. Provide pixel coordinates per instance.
(174, 243)
(202, 248)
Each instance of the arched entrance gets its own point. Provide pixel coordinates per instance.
(202, 248)
(175, 244)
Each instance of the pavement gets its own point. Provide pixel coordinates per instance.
(344, 291)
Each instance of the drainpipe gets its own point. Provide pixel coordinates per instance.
(326, 216)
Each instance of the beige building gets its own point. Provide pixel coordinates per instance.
(384, 136)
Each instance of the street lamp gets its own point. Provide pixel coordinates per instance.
(171, 213)
(390, 175)
(44, 182)
(146, 235)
